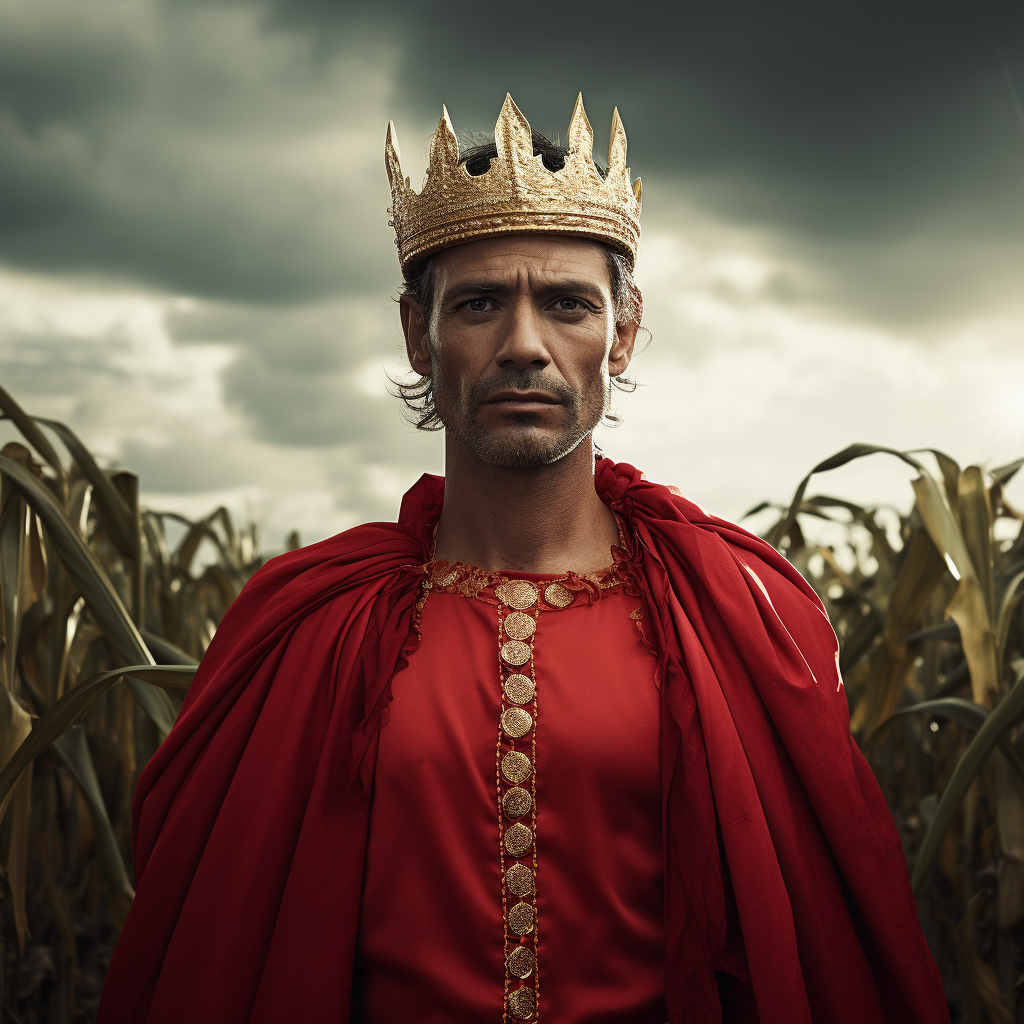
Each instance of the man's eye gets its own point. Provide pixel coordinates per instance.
(568, 305)
(477, 305)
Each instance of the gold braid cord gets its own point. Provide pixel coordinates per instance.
(518, 616)
(517, 194)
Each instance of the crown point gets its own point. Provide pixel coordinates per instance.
(444, 147)
(393, 159)
(581, 135)
(638, 191)
(512, 133)
(617, 146)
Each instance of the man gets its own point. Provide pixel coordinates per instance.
(557, 746)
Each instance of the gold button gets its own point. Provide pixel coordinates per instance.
(515, 652)
(516, 802)
(519, 688)
(520, 918)
(522, 1003)
(516, 722)
(518, 839)
(519, 625)
(558, 596)
(519, 879)
(516, 767)
(516, 593)
(519, 962)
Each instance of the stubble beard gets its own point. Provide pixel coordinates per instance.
(521, 443)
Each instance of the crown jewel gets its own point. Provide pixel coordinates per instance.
(517, 194)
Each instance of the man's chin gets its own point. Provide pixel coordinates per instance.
(523, 448)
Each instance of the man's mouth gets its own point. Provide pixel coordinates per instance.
(522, 401)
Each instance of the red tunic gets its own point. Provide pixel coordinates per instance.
(433, 941)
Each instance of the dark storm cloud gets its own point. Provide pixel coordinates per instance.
(232, 149)
(879, 142)
(181, 147)
(852, 117)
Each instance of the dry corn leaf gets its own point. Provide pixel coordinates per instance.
(116, 515)
(74, 705)
(35, 437)
(92, 582)
(976, 525)
(968, 608)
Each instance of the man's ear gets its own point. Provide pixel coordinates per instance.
(625, 338)
(417, 335)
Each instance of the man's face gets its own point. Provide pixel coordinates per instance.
(521, 345)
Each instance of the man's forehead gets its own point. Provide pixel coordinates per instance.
(512, 257)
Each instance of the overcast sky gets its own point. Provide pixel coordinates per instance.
(196, 271)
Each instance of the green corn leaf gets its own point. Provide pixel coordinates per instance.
(998, 723)
(73, 751)
(963, 712)
(848, 454)
(75, 704)
(165, 651)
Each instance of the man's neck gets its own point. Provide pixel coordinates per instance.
(544, 520)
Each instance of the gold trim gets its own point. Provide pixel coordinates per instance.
(519, 688)
(516, 722)
(522, 1003)
(520, 626)
(518, 839)
(520, 594)
(519, 963)
(519, 879)
(516, 766)
(516, 802)
(515, 653)
(557, 595)
(520, 919)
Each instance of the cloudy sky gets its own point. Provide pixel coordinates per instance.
(197, 275)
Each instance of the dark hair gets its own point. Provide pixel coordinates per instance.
(419, 286)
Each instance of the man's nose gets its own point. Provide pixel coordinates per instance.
(522, 339)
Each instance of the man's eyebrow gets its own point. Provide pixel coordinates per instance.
(496, 287)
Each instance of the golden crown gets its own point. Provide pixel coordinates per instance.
(517, 193)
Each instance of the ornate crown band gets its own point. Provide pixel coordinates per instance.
(517, 194)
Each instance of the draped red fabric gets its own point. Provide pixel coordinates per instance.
(755, 720)
(250, 823)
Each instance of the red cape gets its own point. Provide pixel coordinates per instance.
(783, 866)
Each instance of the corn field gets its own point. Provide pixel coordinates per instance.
(107, 607)
(928, 613)
(94, 598)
